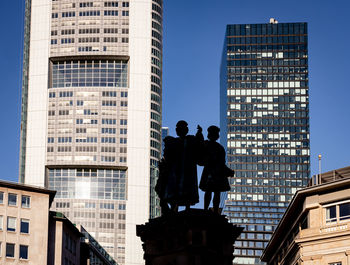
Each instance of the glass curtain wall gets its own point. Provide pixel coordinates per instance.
(265, 113)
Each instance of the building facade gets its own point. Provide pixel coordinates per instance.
(71, 244)
(316, 226)
(24, 222)
(64, 241)
(31, 234)
(92, 251)
(91, 113)
(265, 116)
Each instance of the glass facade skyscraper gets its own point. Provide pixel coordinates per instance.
(91, 113)
(265, 117)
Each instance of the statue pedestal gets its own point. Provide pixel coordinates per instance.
(194, 237)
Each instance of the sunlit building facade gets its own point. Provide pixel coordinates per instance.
(265, 118)
(91, 113)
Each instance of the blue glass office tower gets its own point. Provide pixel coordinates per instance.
(265, 116)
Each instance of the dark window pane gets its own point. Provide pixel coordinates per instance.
(12, 199)
(24, 226)
(23, 252)
(344, 211)
(25, 201)
(10, 250)
(331, 214)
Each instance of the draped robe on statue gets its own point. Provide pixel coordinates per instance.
(181, 159)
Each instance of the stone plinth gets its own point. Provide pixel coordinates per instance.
(194, 237)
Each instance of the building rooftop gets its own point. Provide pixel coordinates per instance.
(30, 188)
(330, 176)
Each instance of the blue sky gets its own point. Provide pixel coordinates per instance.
(193, 40)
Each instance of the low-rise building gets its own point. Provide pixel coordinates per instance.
(92, 251)
(64, 241)
(31, 234)
(24, 222)
(315, 228)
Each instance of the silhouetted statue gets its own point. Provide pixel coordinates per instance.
(177, 183)
(215, 172)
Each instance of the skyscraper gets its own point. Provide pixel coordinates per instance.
(91, 113)
(265, 118)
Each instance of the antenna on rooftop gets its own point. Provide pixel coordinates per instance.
(319, 169)
(319, 164)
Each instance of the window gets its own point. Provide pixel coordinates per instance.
(331, 214)
(89, 13)
(25, 201)
(337, 212)
(11, 224)
(1, 197)
(335, 263)
(111, 4)
(23, 252)
(12, 199)
(25, 226)
(111, 13)
(305, 222)
(68, 14)
(10, 250)
(344, 211)
(67, 40)
(1, 222)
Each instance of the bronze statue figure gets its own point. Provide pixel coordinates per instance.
(215, 172)
(177, 183)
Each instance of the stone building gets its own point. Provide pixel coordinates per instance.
(24, 222)
(315, 228)
(30, 234)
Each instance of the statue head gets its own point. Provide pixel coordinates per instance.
(181, 128)
(213, 133)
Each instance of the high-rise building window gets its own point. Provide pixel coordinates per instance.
(116, 179)
(1, 197)
(103, 74)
